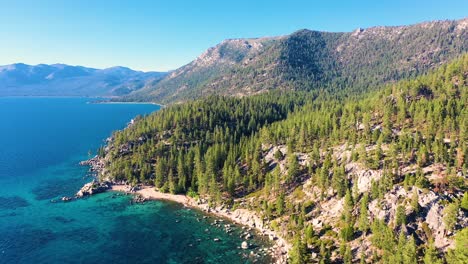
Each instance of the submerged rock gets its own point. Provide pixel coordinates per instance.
(244, 245)
(139, 199)
(66, 199)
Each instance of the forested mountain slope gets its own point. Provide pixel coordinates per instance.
(338, 63)
(382, 178)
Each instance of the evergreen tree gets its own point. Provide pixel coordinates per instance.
(430, 255)
(450, 215)
(348, 207)
(324, 254)
(400, 216)
(339, 181)
(293, 167)
(298, 252)
(348, 256)
(464, 202)
(410, 253)
(171, 182)
(363, 214)
(280, 204)
(415, 201)
(459, 255)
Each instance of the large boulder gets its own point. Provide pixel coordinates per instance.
(435, 220)
(93, 188)
(248, 218)
(245, 245)
(385, 209)
(363, 176)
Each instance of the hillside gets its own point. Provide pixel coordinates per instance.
(339, 63)
(381, 179)
(64, 80)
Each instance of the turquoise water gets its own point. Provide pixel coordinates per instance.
(41, 142)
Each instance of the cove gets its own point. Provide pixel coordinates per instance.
(42, 141)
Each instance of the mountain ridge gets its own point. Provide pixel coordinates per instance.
(312, 60)
(65, 80)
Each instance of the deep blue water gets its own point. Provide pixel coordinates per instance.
(41, 142)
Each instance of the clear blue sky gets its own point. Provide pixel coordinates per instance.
(163, 35)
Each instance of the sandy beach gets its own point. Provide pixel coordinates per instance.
(148, 192)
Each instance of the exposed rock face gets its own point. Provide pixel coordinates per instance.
(329, 211)
(434, 220)
(386, 208)
(93, 188)
(426, 199)
(432, 212)
(364, 176)
(96, 164)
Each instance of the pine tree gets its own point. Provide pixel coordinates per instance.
(309, 234)
(400, 216)
(378, 155)
(423, 156)
(450, 215)
(459, 255)
(398, 255)
(280, 204)
(363, 214)
(160, 172)
(348, 207)
(362, 153)
(298, 252)
(348, 256)
(430, 255)
(293, 167)
(347, 232)
(410, 253)
(339, 181)
(171, 182)
(182, 177)
(464, 202)
(415, 201)
(324, 254)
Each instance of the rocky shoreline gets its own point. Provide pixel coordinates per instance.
(243, 217)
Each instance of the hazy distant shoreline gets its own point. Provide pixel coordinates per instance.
(112, 102)
(98, 100)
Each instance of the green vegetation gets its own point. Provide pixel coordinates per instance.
(464, 202)
(459, 255)
(337, 64)
(217, 148)
(450, 215)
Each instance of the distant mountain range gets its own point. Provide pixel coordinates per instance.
(65, 80)
(322, 62)
(311, 60)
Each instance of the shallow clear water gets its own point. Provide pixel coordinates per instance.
(41, 142)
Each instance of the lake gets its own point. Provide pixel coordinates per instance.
(42, 141)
